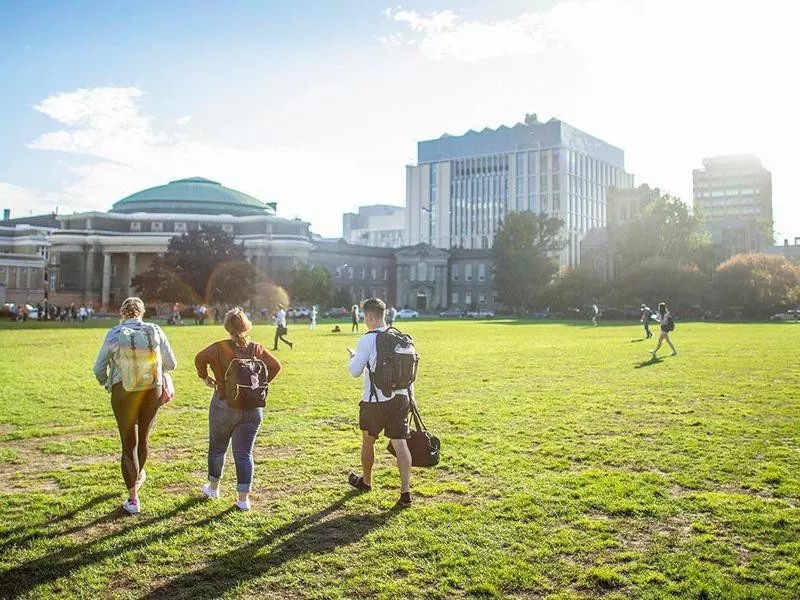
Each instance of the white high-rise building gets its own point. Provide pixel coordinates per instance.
(463, 186)
(378, 225)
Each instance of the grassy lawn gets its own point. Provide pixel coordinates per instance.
(572, 467)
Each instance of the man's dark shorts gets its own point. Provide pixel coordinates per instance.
(390, 416)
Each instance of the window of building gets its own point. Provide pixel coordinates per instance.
(454, 274)
(468, 272)
(481, 272)
(454, 298)
(338, 272)
(468, 297)
(350, 272)
(53, 280)
(363, 272)
(385, 274)
(481, 297)
(157, 226)
(136, 225)
(227, 228)
(373, 273)
(180, 227)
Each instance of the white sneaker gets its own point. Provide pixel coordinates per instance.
(653, 352)
(132, 508)
(243, 505)
(674, 353)
(140, 481)
(209, 491)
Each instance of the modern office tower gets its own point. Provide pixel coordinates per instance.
(463, 186)
(379, 225)
(734, 196)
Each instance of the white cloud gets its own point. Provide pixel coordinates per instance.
(127, 152)
(184, 120)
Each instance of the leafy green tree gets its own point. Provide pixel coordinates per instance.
(342, 297)
(523, 264)
(312, 285)
(760, 283)
(657, 279)
(665, 228)
(200, 266)
(576, 287)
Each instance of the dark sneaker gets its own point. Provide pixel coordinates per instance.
(405, 500)
(358, 482)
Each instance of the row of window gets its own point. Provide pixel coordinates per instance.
(455, 298)
(178, 227)
(345, 272)
(465, 270)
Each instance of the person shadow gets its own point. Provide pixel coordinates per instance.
(312, 534)
(654, 360)
(22, 535)
(21, 579)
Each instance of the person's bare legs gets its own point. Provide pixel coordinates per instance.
(367, 457)
(660, 341)
(403, 464)
(671, 345)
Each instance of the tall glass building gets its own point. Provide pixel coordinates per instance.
(463, 186)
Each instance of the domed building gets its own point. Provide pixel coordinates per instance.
(94, 255)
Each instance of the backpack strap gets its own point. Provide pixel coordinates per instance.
(373, 391)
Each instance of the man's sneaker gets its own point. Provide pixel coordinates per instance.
(405, 500)
(209, 491)
(141, 480)
(131, 507)
(653, 352)
(674, 353)
(243, 504)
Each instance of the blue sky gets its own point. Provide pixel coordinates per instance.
(319, 105)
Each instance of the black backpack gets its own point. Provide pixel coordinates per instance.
(396, 365)
(246, 380)
(670, 323)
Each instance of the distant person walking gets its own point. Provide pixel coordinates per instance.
(235, 417)
(645, 315)
(176, 314)
(130, 365)
(378, 412)
(354, 318)
(667, 325)
(312, 323)
(595, 315)
(391, 315)
(280, 328)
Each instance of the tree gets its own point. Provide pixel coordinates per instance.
(665, 228)
(200, 266)
(521, 254)
(760, 283)
(658, 279)
(576, 287)
(312, 285)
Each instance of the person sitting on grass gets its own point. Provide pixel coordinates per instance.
(130, 365)
(237, 424)
(377, 412)
(667, 325)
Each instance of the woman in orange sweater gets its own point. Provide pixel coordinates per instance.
(235, 419)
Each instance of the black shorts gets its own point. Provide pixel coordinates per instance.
(390, 416)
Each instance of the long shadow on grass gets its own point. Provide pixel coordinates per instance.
(11, 537)
(61, 563)
(648, 363)
(312, 534)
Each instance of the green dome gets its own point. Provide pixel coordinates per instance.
(193, 196)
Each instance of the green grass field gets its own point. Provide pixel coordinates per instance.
(572, 467)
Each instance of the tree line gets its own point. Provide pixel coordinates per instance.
(663, 253)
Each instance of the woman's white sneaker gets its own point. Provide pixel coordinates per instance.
(209, 491)
(131, 507)
(243, 504)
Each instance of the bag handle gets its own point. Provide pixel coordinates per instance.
(418, 422)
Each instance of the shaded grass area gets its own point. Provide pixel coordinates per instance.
(573, 466)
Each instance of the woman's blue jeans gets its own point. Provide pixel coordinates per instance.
(236, 425)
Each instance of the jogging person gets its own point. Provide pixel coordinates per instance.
(377, 412)
(226, 423)
(130, 364)
(646, 314)
(354, 318)
(280, 328)
(667, 325)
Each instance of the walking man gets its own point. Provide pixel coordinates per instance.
(646, 313)
(667, 325)
(378, 412)
(595, 314)
(280, 328)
